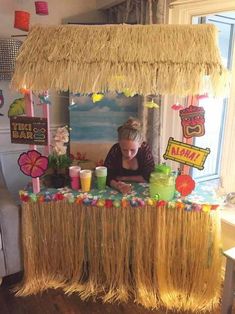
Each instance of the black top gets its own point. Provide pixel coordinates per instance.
(144, 158)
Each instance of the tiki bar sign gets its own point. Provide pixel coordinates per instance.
(29, 130)
(190, 155)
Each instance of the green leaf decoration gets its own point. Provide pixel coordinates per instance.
(58, 162)
(17, 108)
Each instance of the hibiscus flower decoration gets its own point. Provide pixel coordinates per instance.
(32, 163)
(184, 184)
(177, 106)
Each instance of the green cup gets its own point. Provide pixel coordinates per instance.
(101, 177)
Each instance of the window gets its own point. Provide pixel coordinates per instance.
(183, 12)
(215, 109)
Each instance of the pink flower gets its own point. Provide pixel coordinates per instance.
(32, 163)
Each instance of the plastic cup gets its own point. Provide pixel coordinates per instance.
(74, 173)
(101, 177)
(85, 177)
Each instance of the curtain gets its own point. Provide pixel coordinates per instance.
(139, 12)
(144, 12)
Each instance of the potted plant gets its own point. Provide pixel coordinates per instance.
(59, 161)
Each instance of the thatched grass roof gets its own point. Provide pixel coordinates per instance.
(146, 59)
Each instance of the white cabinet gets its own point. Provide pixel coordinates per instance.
(14, 178)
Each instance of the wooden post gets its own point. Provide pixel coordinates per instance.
(192, 100)
(46, 114)
(30, 112)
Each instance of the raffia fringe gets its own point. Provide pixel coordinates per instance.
(160, 257)
(147, 59)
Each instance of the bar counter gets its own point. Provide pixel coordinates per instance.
(104, 245)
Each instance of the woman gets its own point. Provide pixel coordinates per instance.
(129, 160)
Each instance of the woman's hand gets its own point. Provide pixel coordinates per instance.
(137, 179)
(124, 188)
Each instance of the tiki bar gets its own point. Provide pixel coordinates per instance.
(131, 224)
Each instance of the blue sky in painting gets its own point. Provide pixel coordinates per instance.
(111, 102)
(98, 122)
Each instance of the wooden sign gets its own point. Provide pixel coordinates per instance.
(28, 130)
(186, 154)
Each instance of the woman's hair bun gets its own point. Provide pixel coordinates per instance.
(130, 130)
(132, 123)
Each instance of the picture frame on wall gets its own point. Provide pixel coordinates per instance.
(94, 124)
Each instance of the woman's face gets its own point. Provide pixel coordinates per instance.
(129, 148)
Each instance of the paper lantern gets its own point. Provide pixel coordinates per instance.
(22, 20)
(41, 7)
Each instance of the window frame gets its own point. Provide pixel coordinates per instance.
(182, 12)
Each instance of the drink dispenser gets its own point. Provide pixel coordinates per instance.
(162, 183)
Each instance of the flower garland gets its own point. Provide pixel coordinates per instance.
(89, 200)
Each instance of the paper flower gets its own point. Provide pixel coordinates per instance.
(24, 198)
(100, 203)
(58, 196)
(17, 108)
(151, 104)
(184, 184)
(199, 97)
(177, 106)
(44, 98)
(33, 164)
(81, 157)
(108, 203)
(116, 203)
(128, 93)
(97, 97)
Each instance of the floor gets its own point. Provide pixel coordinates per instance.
(55, 302)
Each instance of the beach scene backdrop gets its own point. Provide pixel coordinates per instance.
(94, 124)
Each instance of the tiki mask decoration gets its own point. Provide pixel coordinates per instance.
(192, 121)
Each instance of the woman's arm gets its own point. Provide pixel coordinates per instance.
(138, 179)
(112, 162)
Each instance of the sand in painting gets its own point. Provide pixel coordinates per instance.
(94, 152)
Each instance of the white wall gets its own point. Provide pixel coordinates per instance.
(228, 234)
(60, 12)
